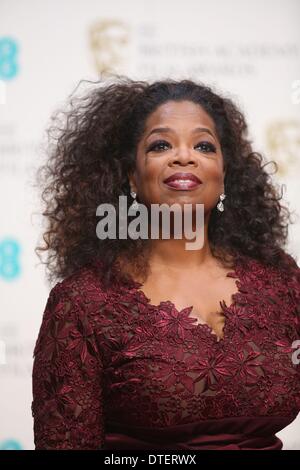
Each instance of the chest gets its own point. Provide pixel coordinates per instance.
(203, 294)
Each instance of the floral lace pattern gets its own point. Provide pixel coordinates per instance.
(107, 360)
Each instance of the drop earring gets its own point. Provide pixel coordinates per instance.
(135, 204)
(220, 205)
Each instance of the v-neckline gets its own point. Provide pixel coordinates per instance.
(236, 273)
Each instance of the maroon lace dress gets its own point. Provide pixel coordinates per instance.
(113, 371)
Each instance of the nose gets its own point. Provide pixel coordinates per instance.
(183, 156)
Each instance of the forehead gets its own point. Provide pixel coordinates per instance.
(181, 113)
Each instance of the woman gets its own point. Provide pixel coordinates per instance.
(143, 343)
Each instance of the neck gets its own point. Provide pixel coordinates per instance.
(172, 253)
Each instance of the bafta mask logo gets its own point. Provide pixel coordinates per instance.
(283, 144)
(108, 41)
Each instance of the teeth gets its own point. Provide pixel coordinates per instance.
(183, 181)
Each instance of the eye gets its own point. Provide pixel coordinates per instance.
(157, 145)
(207, 147)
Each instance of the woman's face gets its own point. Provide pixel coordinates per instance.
(187, 144)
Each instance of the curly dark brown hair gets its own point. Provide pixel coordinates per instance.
(92, 149)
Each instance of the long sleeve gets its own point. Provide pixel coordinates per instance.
(67, 379)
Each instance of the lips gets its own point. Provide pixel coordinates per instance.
(183, 181)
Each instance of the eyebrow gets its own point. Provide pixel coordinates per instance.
(168, 129)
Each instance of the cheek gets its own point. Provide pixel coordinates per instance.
(149, 171)
(213, 171)
(148, 180)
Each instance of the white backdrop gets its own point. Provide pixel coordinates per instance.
(249, 50)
